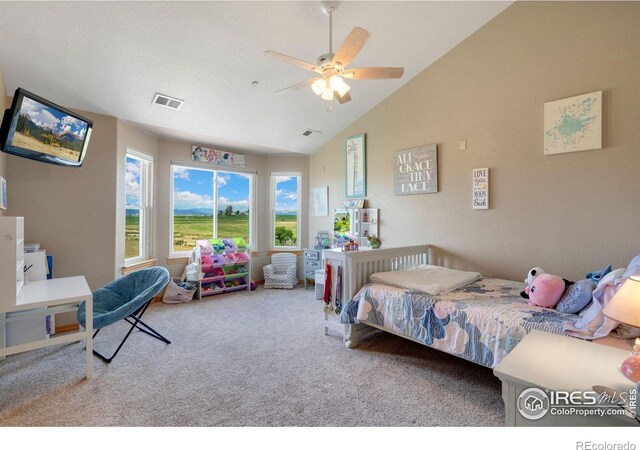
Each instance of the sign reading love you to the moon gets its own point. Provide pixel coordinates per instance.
(481, 188)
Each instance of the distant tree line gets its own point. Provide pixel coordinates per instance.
(228, 211)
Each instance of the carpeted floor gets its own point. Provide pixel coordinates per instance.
(247, 359)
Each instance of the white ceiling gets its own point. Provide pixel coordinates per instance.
(112, 57)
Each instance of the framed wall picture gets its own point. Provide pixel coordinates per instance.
(214, 156)
(416, 171)
(320, 201)
(3, 193)
(573, 124)
(480, 188)
(355, 166)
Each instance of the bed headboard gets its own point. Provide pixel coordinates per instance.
(358, 266)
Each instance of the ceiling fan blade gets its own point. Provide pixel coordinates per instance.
(344, 99)
(294, 61)
(351, 46)
(374, 73)
(298, 86)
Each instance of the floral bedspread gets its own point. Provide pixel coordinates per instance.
(481, 322)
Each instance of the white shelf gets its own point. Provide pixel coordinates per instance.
(364, 223)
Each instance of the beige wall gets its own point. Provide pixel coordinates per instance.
(132, 137)
(569, 213)
(4, 104)
(71, 211)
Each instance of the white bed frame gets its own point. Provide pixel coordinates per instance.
(357, 267)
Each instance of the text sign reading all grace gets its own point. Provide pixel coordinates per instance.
(416, 171)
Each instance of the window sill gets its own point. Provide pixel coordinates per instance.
(138, 265)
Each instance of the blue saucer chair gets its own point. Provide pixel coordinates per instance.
(126, 298)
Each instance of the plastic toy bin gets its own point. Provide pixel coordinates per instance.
(230, 246)
(241, 244)
(241, 258)
(234, 271)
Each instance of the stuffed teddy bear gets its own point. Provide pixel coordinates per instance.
(545, 290)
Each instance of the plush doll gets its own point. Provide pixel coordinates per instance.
(597, 276)
(530, 277)
(532, 274)
(546, 290)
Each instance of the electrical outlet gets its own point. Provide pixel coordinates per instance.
(463, 144)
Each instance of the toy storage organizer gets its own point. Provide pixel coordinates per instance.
(225, 265)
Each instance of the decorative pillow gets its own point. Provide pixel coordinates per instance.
(576, 297)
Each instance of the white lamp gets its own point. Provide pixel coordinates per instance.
(328, 93)
(336, 82)
(624, 307)
(319, 86)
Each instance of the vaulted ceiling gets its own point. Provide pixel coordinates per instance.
(112, 57)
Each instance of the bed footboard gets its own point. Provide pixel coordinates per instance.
(357, 267)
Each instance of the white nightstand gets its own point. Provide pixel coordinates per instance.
(560, 363)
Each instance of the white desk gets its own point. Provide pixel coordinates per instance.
(561, 363)
(53, 294)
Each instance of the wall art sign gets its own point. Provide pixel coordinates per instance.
(416, 171)
(355, 167)
(320, 201)
(214, 156)
(481, 188)
(573, 124)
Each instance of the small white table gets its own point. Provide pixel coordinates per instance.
(54, 295)
(552, 362)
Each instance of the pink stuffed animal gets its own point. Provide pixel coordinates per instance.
(545, 291)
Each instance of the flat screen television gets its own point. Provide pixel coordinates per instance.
(38, 129)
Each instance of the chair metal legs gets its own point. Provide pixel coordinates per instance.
(134, 320)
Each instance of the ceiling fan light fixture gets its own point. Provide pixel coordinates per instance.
(319, 86)
(327, 94)
(336, 82)
(332, 68)
(343, 89)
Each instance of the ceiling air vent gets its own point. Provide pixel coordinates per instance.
(312, 133)
(167, 102)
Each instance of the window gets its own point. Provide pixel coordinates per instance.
(209, 204)
(138, 190)
(285, 207)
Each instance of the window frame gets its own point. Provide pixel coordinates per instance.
(145, 208)
(252, 207)
(274, 211)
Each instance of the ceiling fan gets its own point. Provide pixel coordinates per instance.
(332, 67)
